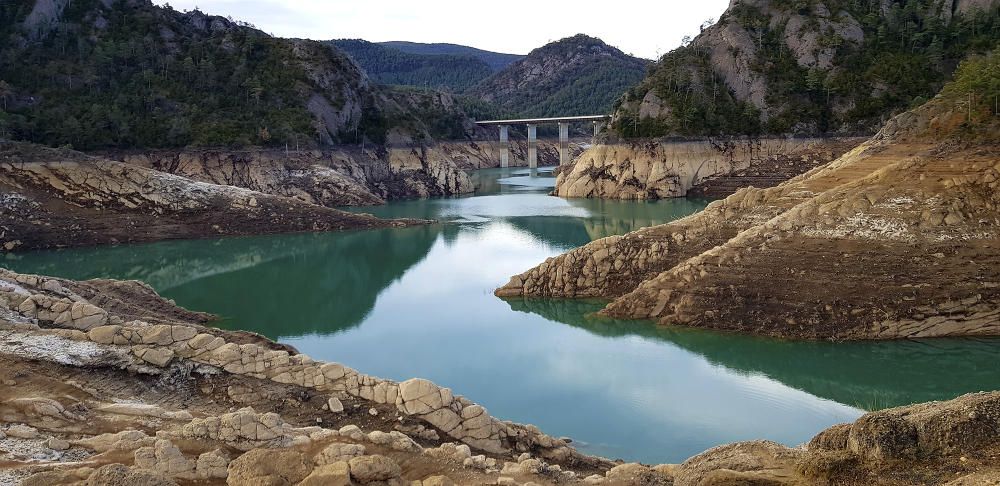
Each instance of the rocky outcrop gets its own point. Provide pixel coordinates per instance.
(898, 238)
(53, 198)
(654, 170)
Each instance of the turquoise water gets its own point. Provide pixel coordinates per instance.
(418, 302)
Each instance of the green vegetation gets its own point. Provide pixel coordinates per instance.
(496, 60)
(580, 75)
(975, 95)
(908, 52)
(136, 75)
(391, 66)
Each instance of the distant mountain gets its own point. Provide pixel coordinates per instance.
(496, 60)
(574, 76)
(100, 74)
(392, 66)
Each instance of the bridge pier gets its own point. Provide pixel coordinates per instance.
(563, 143)
(597, 129)
(504, 146)
(532, 146)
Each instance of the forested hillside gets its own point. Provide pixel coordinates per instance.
(573, 76)
(95, 74)
(388, 65)
(808, 66)
(496, 60)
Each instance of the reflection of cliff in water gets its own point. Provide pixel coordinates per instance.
(163, 265)
(335, 277)
(612, 217)
(329, 286)
(868, 375)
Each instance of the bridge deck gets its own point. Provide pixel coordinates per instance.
(533, 121)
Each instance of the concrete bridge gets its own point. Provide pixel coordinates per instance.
(532, 124)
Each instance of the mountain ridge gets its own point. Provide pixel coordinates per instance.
(578, 74)
(496, 60)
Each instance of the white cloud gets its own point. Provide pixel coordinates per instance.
(643, 29)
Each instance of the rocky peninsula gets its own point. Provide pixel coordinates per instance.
(898, 238)
(105, 382)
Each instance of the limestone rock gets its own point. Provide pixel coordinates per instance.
(334, 405)
(637, 474)
(119, 474)
(333, 474)
(21, 431)
(366, 469)
(277, 467)
(119, 441)
(165, 459)
(338, 452)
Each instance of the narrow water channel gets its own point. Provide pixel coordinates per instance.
(418, 302)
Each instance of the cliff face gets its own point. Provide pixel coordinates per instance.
(810, 67)
(347, 177)
(900, 237)
(656, 171)
(56, 198)
(576, 75)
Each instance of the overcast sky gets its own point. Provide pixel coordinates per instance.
(643, 29)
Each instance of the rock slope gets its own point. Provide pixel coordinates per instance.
(654, 170)
(898, 238)
(51, 198)
(104, 382)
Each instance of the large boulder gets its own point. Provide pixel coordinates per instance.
(367, 469)
(268, 467)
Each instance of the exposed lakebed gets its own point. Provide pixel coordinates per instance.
(400, 303)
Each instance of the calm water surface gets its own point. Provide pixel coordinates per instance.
(419, 302)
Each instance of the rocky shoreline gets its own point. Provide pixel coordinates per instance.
(56, 198)
(105, 382)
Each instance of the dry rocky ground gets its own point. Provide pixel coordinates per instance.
(898, 238)
(104, 382)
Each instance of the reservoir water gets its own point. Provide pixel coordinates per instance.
(418, 302)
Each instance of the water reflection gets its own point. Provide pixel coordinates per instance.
(867, 375)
